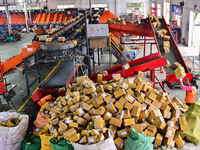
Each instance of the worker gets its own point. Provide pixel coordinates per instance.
(52, 97)
(191, 90)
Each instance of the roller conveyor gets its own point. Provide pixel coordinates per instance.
(60, 76)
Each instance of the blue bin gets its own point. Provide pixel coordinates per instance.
(129, 53)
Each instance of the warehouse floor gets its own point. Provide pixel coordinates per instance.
(8, 50)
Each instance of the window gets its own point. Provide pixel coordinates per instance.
(156, 10)
(2, 8)
(65, 6)
(106, 6)
(134, 7)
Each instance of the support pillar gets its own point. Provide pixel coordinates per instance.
(26, 15)
(8, 20)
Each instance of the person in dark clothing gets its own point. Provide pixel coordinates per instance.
(95, 21)
(35, 38)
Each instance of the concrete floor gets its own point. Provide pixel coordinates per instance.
(8, 50)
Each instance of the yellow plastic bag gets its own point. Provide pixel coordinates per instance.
(45, 137)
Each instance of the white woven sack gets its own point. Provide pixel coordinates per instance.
(107, 144)
(11, 137)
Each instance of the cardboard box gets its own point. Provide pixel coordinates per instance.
(127, 114)
(149, 133)
(166, 50)
(61, 39)
(120, 114)
(144, 114)
(152, 128)
(118, 105)
(62, 125)
(107, 116)
(116, 122)
(111, 108)
(139, 86)
(136, 111)
(180, 72)
(176, 65)
(85, 132)
(129, 91)
(158, 140)
(152, 96)
(128, 122)
(129, 98)
(151, 107)
(164, 31)
(99, 123)
(122, 133)
(82, 121)
(99, 78)
(176, 113)
(161, 98)
(177, 101)
(170, 132)
(145, 124)
(91, 139)
(166, 38)
(179, 141)
(167, 114)
(104, 73)
(140, 97)
(154, 113)
(73, 124)
(122, 100)
(119, 93)
(147, 101)
(156, 103)
(113, 128)
(154, 24)
(168, 64)
(80, 111)
(69, 133)
(183, 123)
(94, 132)
(83, 140)
(86, 107)
(166, 44)
(140, 74)
(160, 123)
(87, 117)
(119, 143)
(75, 138)
(169, 142)
(100, 137)
(126, 66)
(138, 127)
(128, 106)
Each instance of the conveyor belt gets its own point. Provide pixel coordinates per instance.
(171, 56)
(60, 76)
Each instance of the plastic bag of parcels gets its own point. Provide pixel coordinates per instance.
(11, 137)
(31, 142)
(138, 141)
(41, 120)
(45, 137)
(61, 144)
(107, 144)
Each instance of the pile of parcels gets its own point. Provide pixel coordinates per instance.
(12, 122)
(116, 20)
(166, 44)
(156, 22)
(89, 109)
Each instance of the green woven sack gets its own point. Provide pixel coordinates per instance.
(61, 144)
(138, 141)
(31, 142)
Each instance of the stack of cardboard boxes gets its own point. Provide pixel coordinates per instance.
(89, 109)
(12, 122)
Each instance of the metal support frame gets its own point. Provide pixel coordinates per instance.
(29, 85)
